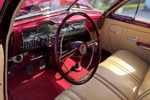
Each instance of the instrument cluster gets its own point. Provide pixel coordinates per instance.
(44, 34)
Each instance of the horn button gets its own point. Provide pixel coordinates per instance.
(82, 48)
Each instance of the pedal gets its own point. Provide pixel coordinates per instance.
(50, 62)
(29, 69)
(42, 64)
(12, 65)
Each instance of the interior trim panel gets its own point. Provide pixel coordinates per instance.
(126, 39)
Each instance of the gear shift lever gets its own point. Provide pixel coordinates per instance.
(77, 67)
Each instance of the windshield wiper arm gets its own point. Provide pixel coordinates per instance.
(72, 5)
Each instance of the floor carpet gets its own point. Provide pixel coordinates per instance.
(42, 84)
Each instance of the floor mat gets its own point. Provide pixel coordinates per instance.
(43, 86)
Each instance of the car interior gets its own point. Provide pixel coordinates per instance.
(76, 53)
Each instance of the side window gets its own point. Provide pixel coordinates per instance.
(101, 4)
(128, 9)
(143, 13)
(139, 12)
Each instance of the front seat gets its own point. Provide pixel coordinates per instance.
(122, 76)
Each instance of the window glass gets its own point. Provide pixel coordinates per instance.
(101, 4)
(41, 7)
(143, 13)
(128, 9)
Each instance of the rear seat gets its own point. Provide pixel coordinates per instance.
(123, 76)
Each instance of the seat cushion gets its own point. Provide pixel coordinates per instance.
(144, 91)
(118, 77)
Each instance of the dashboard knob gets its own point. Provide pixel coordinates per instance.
(36, 38)
(18, 58)
(29, 40)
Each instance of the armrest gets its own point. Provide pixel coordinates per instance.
(143, 45)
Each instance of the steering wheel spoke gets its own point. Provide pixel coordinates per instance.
(92, 42)
(68, 54)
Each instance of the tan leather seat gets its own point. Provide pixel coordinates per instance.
(123, 76)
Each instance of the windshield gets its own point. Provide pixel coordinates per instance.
(49, 5)
(39, 7)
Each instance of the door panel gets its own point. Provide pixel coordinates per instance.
(114, 36)
(1, 72)
(148, 57)
(126, 39)
(137, 36)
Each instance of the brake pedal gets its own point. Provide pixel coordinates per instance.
(42, 64)
(29, 69)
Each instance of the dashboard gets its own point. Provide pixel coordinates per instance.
(31, 35)
(32, 40)
(44, 34)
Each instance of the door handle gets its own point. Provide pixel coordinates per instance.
(115, 32)
(143, 45)
(132, 38)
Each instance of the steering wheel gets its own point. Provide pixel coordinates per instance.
(77, 49)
